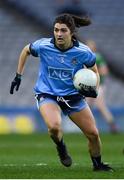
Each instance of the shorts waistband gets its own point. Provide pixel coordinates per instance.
(38, 96)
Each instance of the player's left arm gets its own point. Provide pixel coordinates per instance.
(92, 91)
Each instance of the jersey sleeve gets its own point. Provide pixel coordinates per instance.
(90, 59)
(35, 48)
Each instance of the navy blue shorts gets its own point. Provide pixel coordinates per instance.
(68, 104)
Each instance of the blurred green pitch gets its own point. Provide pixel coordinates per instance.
(34, 156)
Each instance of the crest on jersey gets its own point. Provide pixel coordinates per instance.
(74, 61)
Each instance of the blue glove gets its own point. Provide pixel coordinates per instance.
(15, 83)
(88, 91)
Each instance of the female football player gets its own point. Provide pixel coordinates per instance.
(60, 58)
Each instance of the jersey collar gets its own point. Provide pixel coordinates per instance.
(75, 43)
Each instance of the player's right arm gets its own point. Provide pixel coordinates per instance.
(20, 68)
(22, 59)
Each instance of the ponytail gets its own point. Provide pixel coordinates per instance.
(72, 21)
(79, 22)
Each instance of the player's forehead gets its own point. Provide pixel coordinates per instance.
(60, 26)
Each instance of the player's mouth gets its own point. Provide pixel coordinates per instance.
(59, 39)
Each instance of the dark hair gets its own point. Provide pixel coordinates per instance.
(72, 21)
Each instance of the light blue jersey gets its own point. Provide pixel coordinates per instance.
(57, 68)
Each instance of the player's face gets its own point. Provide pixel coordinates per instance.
(63, 36)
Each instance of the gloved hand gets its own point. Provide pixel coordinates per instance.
(88, 91)
(15, 83)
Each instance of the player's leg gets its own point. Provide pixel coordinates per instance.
(52, 116)
(85, 121)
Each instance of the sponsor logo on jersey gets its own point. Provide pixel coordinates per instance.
(61, 58)
(60, 73)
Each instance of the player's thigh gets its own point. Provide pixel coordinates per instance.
(85, 120)
(51, 114)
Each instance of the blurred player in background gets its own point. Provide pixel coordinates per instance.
(60, 58)
(100, 100)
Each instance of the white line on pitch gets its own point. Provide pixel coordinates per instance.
(11, 165)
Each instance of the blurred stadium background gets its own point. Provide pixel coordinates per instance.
(22, 22)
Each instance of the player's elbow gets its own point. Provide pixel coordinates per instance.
(26, 50)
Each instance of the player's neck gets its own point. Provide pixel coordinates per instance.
(64, 47)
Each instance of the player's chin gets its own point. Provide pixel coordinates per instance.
(60, 42)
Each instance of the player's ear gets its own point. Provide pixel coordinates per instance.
(72, 34)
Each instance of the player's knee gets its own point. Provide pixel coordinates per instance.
(54, 128)
(93, 135)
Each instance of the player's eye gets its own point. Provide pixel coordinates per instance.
(64, 30)
(56, 30)
(61, 30)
